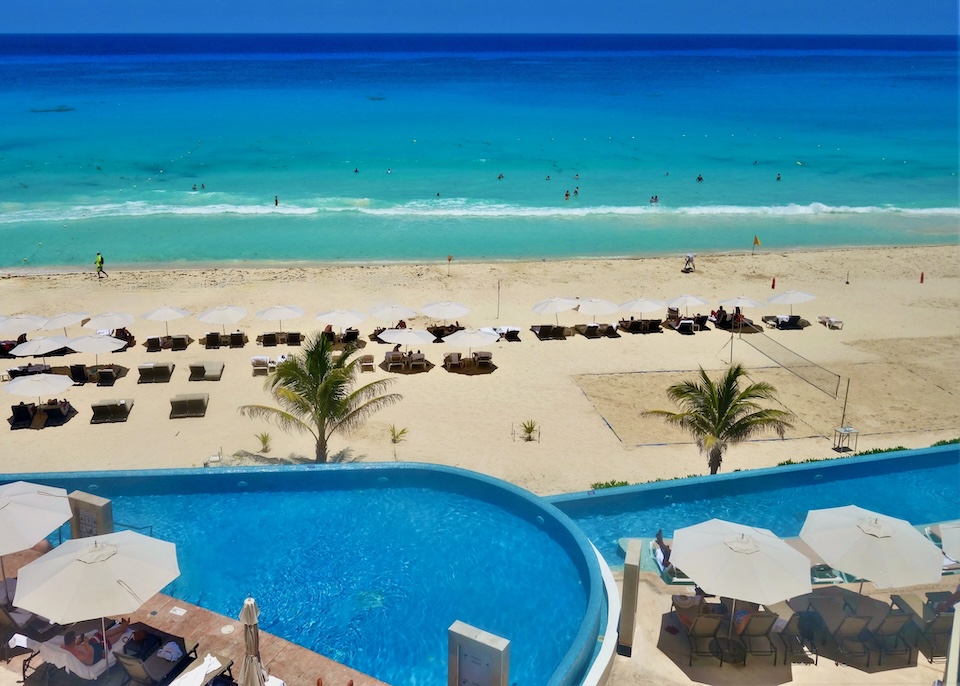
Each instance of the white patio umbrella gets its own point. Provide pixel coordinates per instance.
(252, 672)
(950, 538)
(38, 385)
(791, 298)
(278, 313)
(166, 314)
(20, 324)
(343, 319)
(643, 305)
(109, 320)
(687, 301)
(223, 315)
(65, 319)
(96, 345)
(85, 578)
(885, 550)
(407, 336)
(28, 513)
(740, 301)
(40, 346)
(471, 338)
(554, 306)
(445, 310)
(389, 313)
(595, 306)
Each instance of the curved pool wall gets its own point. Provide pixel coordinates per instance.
(921, 486)
(519, 502)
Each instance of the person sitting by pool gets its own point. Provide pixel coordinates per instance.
(91, 650)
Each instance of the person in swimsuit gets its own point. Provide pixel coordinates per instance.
(91, 650)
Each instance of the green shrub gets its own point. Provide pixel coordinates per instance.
(613, 483)
(948, 441)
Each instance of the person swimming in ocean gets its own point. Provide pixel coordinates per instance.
(699, 177)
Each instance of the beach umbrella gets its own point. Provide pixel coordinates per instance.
(643, 305)
(885, 550)
(687, 301)
(791, 298)
(40, 346)
(471, 338)
(278, 313)
(65, 319)
(445, 310)
(389, 313)
(20, 324)
(38, 385)
(166, 314)
(252, 672)
(595, 306)
(554, 306)
(28, 513)
(407, 336)
(223, 315)
(96, 345)
(741, 562)
(110, 321)
(343, 319)
(85, 578)
(740, 301)
(950, 539)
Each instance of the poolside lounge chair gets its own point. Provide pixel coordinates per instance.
(352, 335)
(588, 330)
(179, 342)
(294, 338)
(23, 415)
(17, 621)
(59, 666)
(936, 634)
(755, 634)
(483, 358)
(543, 332)
(609, 330)
(154, 344)
(219, 673)
(661, 554)
(156, 372)
(57, 412)
(268, 340)
(852, 637)
(512, 335)
(237, 340)
(451, 360)
(78, 372)
(393, 360)
(189, 405)
(700, 634)
(262, 364)
(792, 322)
(798, 635)
(366, 363)
(105, 411)
(206, 371)
(830, 322)
(684, 326)
(212, 340)
(417, 360)
(155, 670)
(889, 636)
(106, 376)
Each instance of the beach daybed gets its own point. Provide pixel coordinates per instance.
(393, 360)
(78, 372)
(106, 376)
(51, 652)
(189, 405)
(589, 330)
(155, 372)
(417, 360)
(481, 358)
(206, 371)
(154, 344)
(366, 363)
(452, 360)
(684, 326)
(640, 325)
(546, 332)
(23, 415)
(211, 340)
(830, 322)
(237, 340)
(146, 664)
(268, 340)
(782, 321)
(293, 338)
(262, 364)
(111, 410)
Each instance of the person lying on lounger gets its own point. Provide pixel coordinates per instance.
(91, 650)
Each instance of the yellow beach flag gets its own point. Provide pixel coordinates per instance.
(756, 241)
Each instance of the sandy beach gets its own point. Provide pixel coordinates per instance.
(898, 348)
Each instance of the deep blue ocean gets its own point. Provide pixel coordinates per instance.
(171, 149)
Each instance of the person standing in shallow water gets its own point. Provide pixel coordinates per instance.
(276, 200)
(99, 264)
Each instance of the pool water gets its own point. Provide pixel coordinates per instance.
(369, 574)
(919, 486)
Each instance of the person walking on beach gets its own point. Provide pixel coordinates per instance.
(276, 200)
(99, 263)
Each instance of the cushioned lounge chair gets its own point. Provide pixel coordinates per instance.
(23, 415)
(179, 342)
(366, 363)
(417, 361)
(830, 322)
(106, 376)
(237, 340)
(105, 411)
(792, 323)
(156, 372)
(154, 344)
(262, 364)
(78, 372)
(58, 412)
(211, 341)
(483, 358)
(684, 326)
(351, 336)
(189, 405)
(512, 335)
(268, 340)
(294, 338)
(206, 371)
(542, 331)
(588, 330)
(451, 360)
(155, 670)
(393, 360)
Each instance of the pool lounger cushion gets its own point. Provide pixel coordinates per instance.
(156, 372)
(189, 405)
(111, 410)
(206, 371)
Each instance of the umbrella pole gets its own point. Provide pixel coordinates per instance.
(6, 592)
(733, 614)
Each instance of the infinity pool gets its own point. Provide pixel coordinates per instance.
(921, 486)
(370, 566)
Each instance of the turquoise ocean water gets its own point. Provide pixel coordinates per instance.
(105, 137)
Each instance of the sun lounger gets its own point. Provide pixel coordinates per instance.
(78, 372)
(700, 323)
(481, 358)
(23, 415)
(755, 632)
(294, 338)
(51, 653)
(206, 371)
(111, 410)
(211, 341)
(106, 376)
(57, 412)
(451, 360)
(830, 322)
(366, 363)
(353, 335)
(156, 372)
(417, 361)
(262, 364)
(268, 340)
(237, 340)
(153, 669)
(684, 326)
(179, 342)
(154, 344)
(588, 330)
(189, 405)
(216, 670)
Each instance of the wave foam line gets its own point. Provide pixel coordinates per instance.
(449, 209)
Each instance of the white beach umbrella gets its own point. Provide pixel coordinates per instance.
(740, 301)
(950, 538)
(96, 345)
(686, 301)
(28, 513)
(38, 385)
(343, 319)
(109, 320)
(595, 306)
(166, 314)
(252, 672)
(389, 313)
(40, 346)
(223, 315)
(791, 298)
(885, 550)
(554, 306)
(471, 338)
(277, 313)
(445, 310)
(407, 336)
(65, 319)
(85, 578)
(643, 305)
(20, 324)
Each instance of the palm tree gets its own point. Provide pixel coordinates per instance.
(315, 393)
(721, 414)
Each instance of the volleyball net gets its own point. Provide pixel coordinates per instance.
(815, 375)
